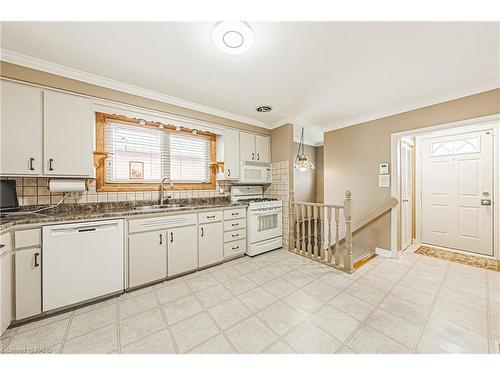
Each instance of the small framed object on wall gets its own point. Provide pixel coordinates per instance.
(384, 168)
(136, 170)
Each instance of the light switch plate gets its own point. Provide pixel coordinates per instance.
(384, 180)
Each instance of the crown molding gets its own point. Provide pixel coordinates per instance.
(68, 72)
(492, 85)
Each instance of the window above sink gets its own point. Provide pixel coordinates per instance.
(136, 155)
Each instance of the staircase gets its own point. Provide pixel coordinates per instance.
(323, 232)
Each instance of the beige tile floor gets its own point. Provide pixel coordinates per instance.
(282, 303)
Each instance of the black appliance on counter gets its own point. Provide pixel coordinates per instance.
(8, 196)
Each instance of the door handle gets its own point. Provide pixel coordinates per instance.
(171, 236)
(228, 172)
(161, 239)
(51, 161)
(485, 202)
(32, 168)
(258, 156)
(202, 232)
(253, 156)
(36, 259)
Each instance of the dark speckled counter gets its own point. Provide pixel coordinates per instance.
(95, 211)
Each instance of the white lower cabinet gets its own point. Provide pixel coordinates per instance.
(182, 250)
(28, 268)
(211, 243)
(147, 257)
(5, 282)
(234, 248)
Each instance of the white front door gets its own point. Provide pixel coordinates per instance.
(406, 195)
(457, 191)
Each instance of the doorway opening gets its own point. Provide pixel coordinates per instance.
(446, 180)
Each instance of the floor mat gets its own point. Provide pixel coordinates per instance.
(471, 260)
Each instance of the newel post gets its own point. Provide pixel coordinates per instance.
(348, 232)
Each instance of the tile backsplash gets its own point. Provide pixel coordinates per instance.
(280, 189)
(33, 190)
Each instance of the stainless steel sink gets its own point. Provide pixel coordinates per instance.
(159, 207)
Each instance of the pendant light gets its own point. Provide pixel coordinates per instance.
(302, 162)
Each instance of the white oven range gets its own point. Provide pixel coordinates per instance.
(264, 229)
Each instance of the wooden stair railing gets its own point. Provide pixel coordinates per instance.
(309, 239)
(317, 233)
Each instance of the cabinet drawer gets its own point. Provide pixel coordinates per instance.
(27, 238)
(160, 222)
(235, 224)
(235, 235)
(235, 248)
(235, 214)
(208, 217)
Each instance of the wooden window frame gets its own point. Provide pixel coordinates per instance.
(100, 156)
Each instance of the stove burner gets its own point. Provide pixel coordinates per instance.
(257, 200)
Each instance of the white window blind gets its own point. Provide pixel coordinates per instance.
(188, 158)
(144, 155)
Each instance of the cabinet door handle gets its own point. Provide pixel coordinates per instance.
(235, 213)
(235, 235)
(253, 155)
(202, 232)
(211, 217)
(36, 259)
(258, 156)
(161, 239)
(235, 248)
(228, 172)
(51, 161)
(235, 224)
(171, 236)
(32, 168)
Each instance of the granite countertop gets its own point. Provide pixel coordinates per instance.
(90, 211)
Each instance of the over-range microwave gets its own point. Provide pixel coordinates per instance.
(255, 173)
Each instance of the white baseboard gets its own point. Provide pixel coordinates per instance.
(383, 252)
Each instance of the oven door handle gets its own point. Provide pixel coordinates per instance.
(267, 211)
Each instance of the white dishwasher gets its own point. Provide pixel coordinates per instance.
(81, 261)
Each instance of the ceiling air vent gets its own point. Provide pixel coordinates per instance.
(264, 108)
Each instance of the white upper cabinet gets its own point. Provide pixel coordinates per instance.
(232, 154)
(262, 147)
(21, 129)
(247, 146)
(254, 147)
(68, 135)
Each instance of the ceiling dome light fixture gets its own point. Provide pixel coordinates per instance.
(302, 162)
(232, 37)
